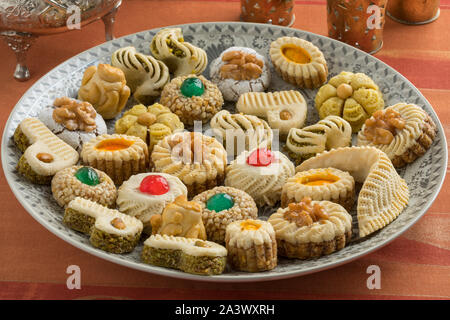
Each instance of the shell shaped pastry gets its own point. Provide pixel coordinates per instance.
(384, 193)
(410, 142)
(352, 96)
(181, 57)
(105, 88)
(282, 109)
(299, 62)
(145, 75)
(240, 131)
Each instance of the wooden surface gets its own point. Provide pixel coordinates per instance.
(414, 266)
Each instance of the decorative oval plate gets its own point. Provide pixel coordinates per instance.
(424, 176)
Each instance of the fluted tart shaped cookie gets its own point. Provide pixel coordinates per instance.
(403, 131)
(310, 229)
(299, 62)
(118, 155)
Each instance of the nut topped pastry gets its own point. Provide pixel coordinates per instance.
(105, 88)
(352, 96)
(192, 98)
(310, 229)
(73, 121)
(239, 70)
(299, 62)
(403, 131)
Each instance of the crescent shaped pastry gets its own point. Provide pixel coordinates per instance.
(406, 142)
(299, 62)
(241, 131)
(384, 193)
(181, 57)
(145, 75)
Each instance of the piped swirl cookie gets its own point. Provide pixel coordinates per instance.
(145, 75)
(320, 184)
(403, 131)
(299, 62)
(181, 57)
(310, 229)
(384, 194)
(44, 153)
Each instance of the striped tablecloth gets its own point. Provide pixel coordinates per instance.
(33, 261)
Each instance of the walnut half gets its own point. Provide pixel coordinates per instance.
(241, 66)
(74, 114)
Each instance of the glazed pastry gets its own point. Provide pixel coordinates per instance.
(105, 88)
(181, 57)
(403, 131)
(109, 230)
(84, 182)
(118, 155)
(283, 109)
(223, 205)
(310, 229)
(239, 70)
(244, 132)
(261, 173)
(186, 254)
(299, 62)
(150, 124)
(73, 121)
(384, 194)
(320, 184)
(146, 194)
(180, 218)
(329, 133)
(192, 98)
(44, 153)
(197, 160)
(251, 245)
(145, 75)
(352, 96)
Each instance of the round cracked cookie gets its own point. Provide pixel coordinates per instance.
(240, 70)
(73, 121)
(84, 182)
(223, 205)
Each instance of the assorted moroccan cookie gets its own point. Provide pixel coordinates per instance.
(44, 153)
(329, 133)
(105, 87)
(197, 160)
(384, 194)
(223, 205)
(181, 57)
(310, 229)
(239, 70)
(186, 254)
(261, 173)
(146, 194)
(352, 96)
(150, 124)
(73, 121)
(145, 75)
(251, 245)
(239, 132)
(403, 131)
(180, 218)
(320, 184)
(192, 98)
(118, 155)
(84, 182)
(108, 229)
(299, 62)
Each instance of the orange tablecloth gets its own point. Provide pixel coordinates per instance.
(33, 261)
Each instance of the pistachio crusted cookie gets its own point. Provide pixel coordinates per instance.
(186, 254)
(109, 230)
(85, 182)
(223, 205)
